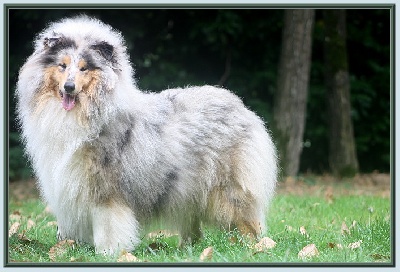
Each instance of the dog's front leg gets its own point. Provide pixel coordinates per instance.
(115, 228)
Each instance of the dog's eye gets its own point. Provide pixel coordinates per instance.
(63, 65)
(82, 69)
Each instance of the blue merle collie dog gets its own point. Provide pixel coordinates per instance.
(110, 159)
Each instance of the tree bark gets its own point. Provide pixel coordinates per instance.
(342, 151)
(292, 87)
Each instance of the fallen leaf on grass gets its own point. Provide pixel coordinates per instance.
(233, 240)
(345, 230)
(60, 248)
(155, 246)
(16, 212)
(308, 251)
(355, 245)
(289, 228)
(127, 257)
(333, 245)
(265, 243)
(23, 238)
(303, 231)
(380, 257)
(13, 229)
(207, 254)
(15, 216)
(30, 224)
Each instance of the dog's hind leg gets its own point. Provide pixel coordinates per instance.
(243, 193)
(249, 221)
(234, 208)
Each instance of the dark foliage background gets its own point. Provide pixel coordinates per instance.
(238, 49)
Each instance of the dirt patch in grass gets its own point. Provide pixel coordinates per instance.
(23, 190)
(375, 184)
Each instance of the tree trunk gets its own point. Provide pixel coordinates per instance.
(342, 152)
(292, 87)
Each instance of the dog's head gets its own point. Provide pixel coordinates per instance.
(80, 60)
(72, 70)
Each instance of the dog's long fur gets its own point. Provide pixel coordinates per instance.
(109, 158)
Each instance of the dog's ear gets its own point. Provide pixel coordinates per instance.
(51, 42)
(57, 42)
(105, 49)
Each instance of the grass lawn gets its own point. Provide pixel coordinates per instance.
(341, 229)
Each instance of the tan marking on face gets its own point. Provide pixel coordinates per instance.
(66, 60)
(82, 64)
(52, 78)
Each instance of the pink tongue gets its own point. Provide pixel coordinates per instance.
(68, 102)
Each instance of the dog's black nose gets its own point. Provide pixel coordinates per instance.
(69, 86)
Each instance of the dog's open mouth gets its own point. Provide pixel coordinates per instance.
(68, 100)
